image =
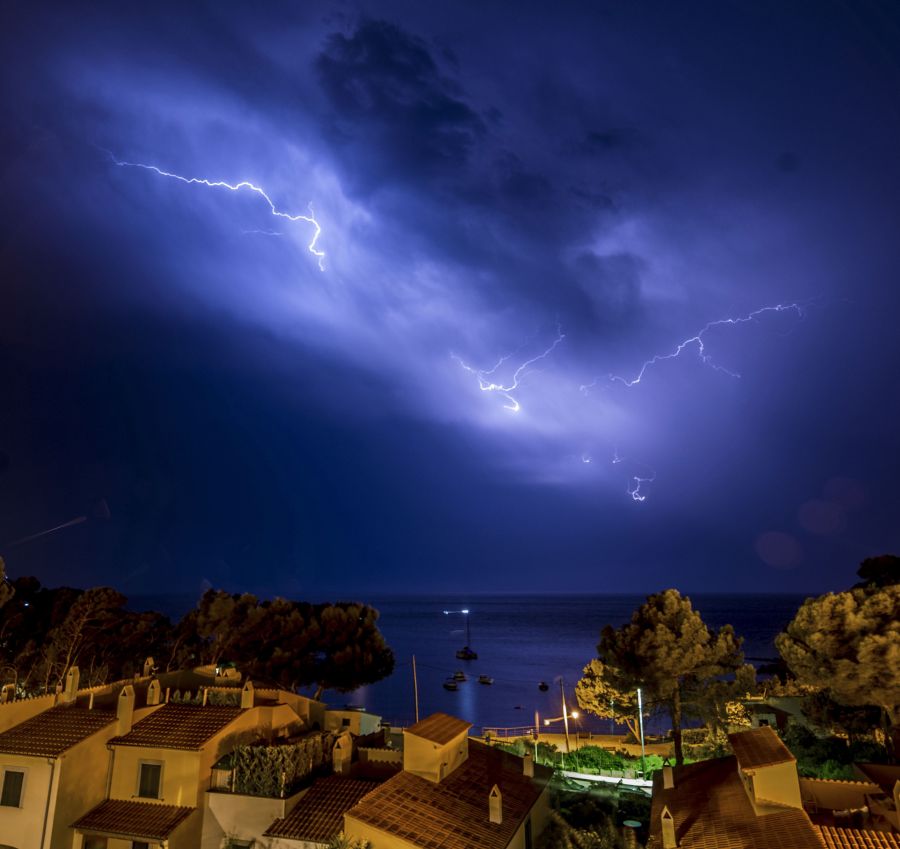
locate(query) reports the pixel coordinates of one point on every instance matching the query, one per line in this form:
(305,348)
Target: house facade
(161,768)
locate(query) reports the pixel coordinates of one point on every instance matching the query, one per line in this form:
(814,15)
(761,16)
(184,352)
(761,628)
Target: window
(345,722)
(239,844)
(140,844)
(11,795)
(148,780)
(91,842)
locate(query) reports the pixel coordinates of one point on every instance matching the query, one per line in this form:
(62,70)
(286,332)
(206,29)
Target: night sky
(564,191)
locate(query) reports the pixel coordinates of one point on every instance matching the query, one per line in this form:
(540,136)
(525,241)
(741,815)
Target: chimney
(7,693)
(495,805)
(342,754)
(668,778)
(149,666)
(247,696)
(528,765)
(70,691)
(153,693)
(668,829)
(125,709)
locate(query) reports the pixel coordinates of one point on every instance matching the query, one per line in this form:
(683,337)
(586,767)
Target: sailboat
(466,652)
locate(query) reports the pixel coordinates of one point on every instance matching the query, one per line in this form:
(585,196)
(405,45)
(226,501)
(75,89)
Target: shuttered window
(11,795)
(148,782)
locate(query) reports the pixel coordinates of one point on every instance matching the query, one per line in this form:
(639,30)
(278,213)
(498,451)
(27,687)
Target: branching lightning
(696,341)
(638,481)
(487,384)
(236,187)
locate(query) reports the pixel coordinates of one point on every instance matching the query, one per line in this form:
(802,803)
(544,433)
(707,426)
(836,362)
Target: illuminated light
(485,384)
(574,714)
(236,187)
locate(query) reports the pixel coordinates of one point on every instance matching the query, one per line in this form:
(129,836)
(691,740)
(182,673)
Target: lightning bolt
(237,187)
(635,482)
(487,384)
(638,481)
(696,341)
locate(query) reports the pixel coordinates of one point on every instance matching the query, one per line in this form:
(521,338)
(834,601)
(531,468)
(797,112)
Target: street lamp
(641,726)
(566,716)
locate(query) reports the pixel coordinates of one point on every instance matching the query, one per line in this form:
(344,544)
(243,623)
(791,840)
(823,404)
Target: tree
(879,571)
(289,643)
(605,692)
(7,590)
(669,651)
(849,643)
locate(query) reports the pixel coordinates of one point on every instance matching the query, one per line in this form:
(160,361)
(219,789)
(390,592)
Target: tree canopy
(44,632)
(606,693)
(667,650)
(335,646)
(849,644)
(881,571)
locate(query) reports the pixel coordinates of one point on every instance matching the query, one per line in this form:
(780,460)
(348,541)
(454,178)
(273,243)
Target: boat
(485,679)
(450,684)
(467,652)
(459,675)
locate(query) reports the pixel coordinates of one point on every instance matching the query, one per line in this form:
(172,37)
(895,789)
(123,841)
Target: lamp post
(566,716)
(641,726)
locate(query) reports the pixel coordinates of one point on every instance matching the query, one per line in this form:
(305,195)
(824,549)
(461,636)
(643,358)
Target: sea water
(521,641)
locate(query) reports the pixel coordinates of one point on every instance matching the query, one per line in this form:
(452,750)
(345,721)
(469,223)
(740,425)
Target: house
(53,766)
(455,793)
(161,768)
(754,799)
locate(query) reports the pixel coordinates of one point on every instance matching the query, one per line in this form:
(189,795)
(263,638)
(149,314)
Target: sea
(522,642)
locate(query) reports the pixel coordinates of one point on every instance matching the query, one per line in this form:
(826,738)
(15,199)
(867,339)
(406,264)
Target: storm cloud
(520,216)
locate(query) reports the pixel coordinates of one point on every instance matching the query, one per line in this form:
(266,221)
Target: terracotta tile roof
(52,732)
(177,726)
(855,838)
(711,810)
(759,747)
(454,813)
(319,815)
(439,728)
(118,817)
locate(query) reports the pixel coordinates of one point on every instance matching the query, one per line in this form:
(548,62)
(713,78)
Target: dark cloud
(397,115)
(512,208)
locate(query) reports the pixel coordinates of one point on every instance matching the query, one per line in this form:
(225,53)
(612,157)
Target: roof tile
(52,732)
(758,747)
(319,815)
(439,728)
(119,817)
(855,838)
(454,813)
(179,726)
(711,810)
